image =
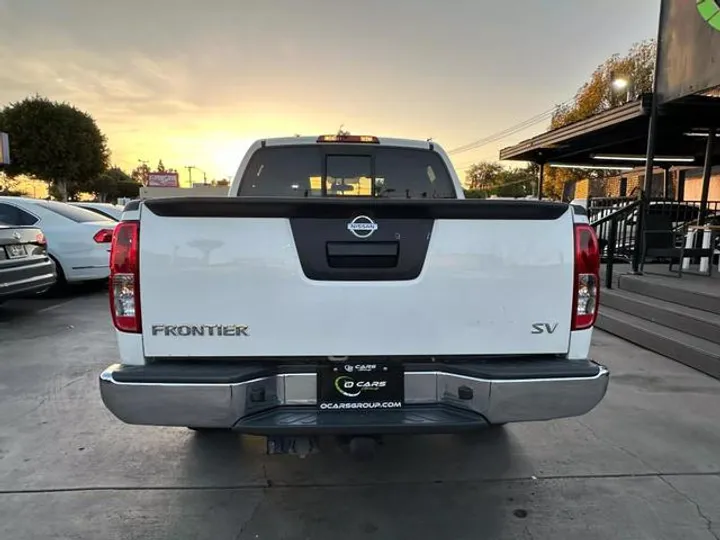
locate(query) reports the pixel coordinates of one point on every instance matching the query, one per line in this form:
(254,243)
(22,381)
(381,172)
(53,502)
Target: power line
(502,134)
(546,115)
(465,166)
(511,183)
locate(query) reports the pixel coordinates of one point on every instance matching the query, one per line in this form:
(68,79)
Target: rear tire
(61,285)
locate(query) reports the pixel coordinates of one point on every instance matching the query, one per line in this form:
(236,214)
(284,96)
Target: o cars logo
(710,12)
(348,387)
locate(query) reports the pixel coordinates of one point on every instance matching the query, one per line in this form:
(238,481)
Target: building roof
(623,131)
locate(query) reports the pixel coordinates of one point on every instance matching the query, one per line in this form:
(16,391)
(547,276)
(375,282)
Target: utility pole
(190,169)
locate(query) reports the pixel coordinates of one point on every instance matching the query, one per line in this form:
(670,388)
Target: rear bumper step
(414,419)
(282,400)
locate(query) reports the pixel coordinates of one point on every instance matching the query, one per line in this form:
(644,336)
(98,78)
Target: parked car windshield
(74,213)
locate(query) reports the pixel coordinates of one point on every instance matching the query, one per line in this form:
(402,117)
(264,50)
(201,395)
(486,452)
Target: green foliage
(481,175)
(8,186)
(54,142)
(518,182)
(106,187)
(113,184)
(557,182)
(70,191)
(487,178)
(140,174)
(598,95)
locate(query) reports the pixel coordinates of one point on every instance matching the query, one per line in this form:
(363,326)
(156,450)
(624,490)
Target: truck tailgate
(237,278)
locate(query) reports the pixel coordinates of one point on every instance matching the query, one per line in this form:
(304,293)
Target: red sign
(165,179)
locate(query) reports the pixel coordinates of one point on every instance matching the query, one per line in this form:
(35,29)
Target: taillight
(124,277)
(587,279)
(103,236)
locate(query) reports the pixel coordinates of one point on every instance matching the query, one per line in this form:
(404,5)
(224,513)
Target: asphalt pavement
(644,465)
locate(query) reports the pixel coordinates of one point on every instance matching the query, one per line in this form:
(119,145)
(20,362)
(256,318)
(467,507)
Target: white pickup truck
(346,287)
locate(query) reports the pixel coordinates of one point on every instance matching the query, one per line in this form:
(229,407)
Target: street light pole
(625,83)
(540,180)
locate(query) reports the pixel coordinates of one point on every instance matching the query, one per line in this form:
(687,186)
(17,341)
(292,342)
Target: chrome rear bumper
(226,403)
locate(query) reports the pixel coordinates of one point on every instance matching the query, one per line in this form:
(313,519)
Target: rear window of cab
(347,171)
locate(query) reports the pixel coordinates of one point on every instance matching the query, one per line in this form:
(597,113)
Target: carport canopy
(618,137)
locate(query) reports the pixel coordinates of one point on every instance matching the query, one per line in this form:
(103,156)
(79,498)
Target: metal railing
(610,225)
(616,221)
(607,212)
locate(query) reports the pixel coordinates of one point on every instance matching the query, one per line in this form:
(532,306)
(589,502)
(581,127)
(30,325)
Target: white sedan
(78,239)
(107,210)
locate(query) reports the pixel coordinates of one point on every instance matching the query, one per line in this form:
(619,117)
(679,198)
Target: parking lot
(645,464)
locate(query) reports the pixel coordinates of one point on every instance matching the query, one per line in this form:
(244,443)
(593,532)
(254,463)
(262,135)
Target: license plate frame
(16,251)
(360,386)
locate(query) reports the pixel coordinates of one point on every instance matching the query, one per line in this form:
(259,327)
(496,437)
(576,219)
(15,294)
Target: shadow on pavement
(224,457)
(25,307)
(419,487)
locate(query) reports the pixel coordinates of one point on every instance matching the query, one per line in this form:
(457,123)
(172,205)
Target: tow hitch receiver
(360,448)
(297,446)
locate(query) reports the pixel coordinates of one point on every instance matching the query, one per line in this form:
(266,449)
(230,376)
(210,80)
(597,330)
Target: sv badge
(544,328)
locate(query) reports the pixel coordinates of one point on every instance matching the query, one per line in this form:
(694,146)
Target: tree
(557,182)
(113,184)
(487,178)
(8,186)
(598,95)
(161,167)
(140,174)
(70,191)
(481,175)
(517,182)
(54,142)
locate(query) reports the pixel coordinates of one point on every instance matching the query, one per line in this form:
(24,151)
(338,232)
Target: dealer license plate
(356,386)
(16,251)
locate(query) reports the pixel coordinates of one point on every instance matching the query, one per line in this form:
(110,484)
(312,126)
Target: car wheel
(61,284)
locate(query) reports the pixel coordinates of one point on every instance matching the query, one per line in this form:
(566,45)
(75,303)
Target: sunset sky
(195,82)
